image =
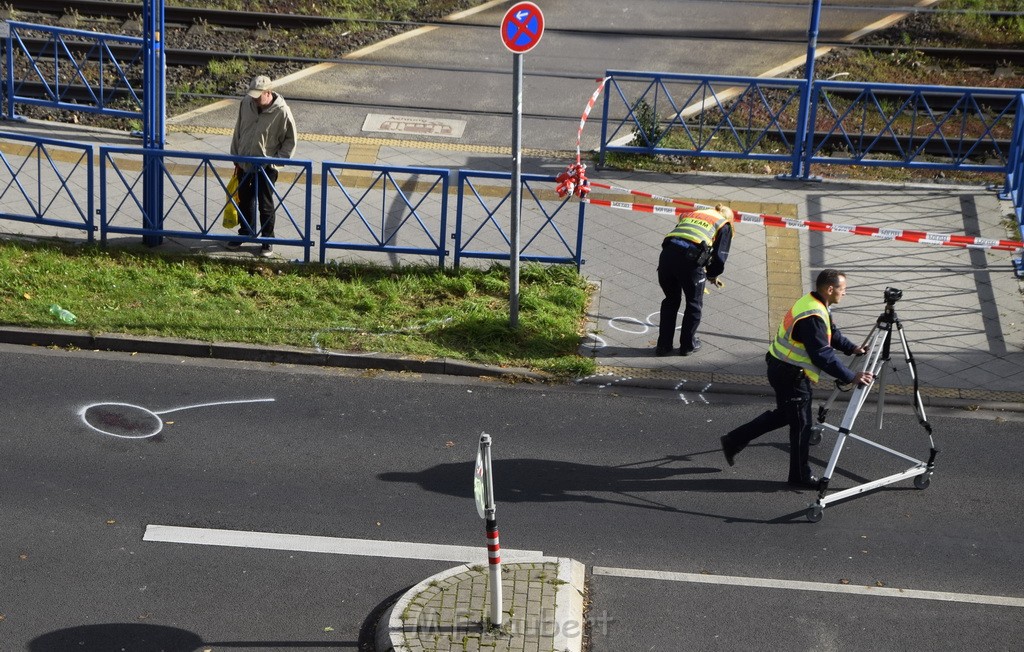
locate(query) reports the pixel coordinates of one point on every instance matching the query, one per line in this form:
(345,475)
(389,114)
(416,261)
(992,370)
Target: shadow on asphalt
(532,480)
(133,637)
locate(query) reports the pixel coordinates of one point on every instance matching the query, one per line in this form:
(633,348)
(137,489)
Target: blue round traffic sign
(522,27)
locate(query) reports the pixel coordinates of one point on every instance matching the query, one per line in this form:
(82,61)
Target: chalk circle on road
(128,421)
(122,420)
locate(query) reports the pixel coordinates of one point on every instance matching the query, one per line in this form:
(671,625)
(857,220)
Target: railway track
(186,16)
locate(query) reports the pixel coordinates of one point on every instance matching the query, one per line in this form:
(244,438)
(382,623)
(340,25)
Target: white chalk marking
(189,407)
(632,321)
(821,587)
(157,422)
(328,545)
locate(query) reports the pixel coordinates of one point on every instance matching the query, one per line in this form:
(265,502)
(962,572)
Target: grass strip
(419,311)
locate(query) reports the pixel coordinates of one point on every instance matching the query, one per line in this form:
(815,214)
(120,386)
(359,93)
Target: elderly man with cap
(694,251)
(264,128)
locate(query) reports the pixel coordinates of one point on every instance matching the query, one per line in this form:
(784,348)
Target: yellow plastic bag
(230,210)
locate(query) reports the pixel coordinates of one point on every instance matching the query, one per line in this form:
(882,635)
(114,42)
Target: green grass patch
(422,311)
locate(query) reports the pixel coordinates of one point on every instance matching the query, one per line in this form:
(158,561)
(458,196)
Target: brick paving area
(452,613)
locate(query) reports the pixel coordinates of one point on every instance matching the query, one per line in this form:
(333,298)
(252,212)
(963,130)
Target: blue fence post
(9,71)
(801,164)
(1015,157)
(604,118)
(457,235)
(579,235)
(153,127)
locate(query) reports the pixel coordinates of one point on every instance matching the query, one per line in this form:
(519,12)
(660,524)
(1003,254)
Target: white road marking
(822,587)
(329,545)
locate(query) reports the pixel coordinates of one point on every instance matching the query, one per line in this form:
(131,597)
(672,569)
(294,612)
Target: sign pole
(483,491)
(517,175)
(521,29)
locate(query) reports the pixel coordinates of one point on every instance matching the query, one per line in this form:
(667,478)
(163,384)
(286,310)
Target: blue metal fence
(195,195)
(367,208)
(480,234)
(384,209)
(73,69)
(1014,189)
(848,123)
(927,127)
(707,115)
(41,181)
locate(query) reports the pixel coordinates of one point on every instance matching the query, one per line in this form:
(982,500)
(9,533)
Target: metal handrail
(66,80)
(418,197)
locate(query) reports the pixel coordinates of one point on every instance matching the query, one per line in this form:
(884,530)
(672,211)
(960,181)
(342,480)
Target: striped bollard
(483,491)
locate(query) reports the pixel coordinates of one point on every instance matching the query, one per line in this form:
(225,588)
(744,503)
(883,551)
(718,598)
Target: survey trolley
(878,362)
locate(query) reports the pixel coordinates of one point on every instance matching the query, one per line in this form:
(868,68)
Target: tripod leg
(912,366)
(823,409)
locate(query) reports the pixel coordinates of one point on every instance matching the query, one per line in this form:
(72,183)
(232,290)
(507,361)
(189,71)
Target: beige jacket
(270,133)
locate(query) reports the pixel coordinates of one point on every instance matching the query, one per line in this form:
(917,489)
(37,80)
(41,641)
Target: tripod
(877,361)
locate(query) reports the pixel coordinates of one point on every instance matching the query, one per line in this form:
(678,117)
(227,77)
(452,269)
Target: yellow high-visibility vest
(785,348)
(698,226)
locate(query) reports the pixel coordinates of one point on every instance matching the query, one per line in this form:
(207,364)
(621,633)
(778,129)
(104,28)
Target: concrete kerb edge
(391,621)
(279,355)
(255,353)
(568,605)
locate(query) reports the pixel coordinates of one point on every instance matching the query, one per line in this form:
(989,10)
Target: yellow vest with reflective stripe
(698,226)
(785,348)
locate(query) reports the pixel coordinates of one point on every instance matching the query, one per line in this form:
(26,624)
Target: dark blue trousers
(792,408)
(256,198)
(679,276)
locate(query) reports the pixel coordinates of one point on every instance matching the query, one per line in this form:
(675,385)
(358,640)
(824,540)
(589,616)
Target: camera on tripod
(892,295)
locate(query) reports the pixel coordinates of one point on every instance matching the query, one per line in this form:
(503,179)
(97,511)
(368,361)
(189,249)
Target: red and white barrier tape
(574,182)
(586,114)
(923,237)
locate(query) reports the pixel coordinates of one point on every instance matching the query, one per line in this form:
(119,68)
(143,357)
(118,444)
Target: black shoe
(813,482)
(661,352)
(693,349)
(728,450)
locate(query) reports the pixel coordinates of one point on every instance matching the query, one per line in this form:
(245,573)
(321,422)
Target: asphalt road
(617,481)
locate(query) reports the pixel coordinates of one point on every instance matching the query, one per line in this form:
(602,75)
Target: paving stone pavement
(450,612)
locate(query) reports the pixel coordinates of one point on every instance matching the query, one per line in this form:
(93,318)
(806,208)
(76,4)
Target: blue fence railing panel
(195,196)
(378,208)
(47,182)
(701,115)
(929,127)
(73,69)
(549,231)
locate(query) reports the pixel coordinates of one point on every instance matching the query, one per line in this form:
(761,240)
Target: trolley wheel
(815,438)
(922,481)
(814,513)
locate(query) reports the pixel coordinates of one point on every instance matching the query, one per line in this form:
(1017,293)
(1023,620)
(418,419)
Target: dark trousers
(256,197)
(679,276)
(792,408)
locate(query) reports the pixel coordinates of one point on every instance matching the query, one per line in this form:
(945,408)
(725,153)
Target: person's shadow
(532,480)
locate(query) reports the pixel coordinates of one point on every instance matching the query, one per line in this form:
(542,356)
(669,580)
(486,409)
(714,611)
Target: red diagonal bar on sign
(521,24)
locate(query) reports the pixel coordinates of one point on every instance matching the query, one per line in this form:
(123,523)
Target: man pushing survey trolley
(877,361)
